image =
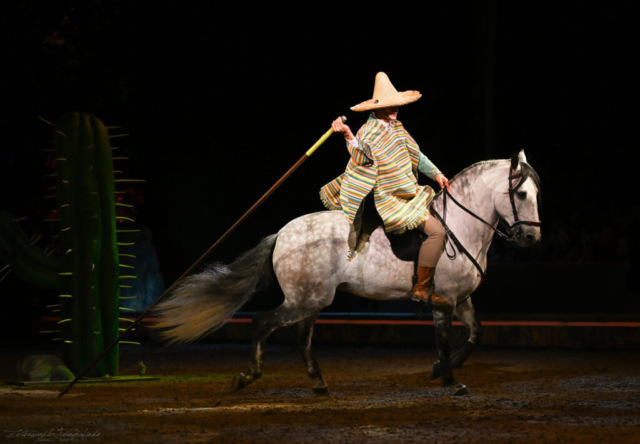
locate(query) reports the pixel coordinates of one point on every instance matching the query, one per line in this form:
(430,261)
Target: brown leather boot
(424,286)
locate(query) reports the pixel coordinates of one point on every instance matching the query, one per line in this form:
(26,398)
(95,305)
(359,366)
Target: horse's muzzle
(529,236)
(529,240)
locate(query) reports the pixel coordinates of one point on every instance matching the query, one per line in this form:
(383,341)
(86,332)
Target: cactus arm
(91,229)
(27,261)
(109,269)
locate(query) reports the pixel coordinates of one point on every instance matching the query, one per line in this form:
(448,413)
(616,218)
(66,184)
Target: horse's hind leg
(265,324)
(467,315)
(304,331)
(442,317)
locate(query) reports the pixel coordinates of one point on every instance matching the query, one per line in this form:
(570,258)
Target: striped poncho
(385,161)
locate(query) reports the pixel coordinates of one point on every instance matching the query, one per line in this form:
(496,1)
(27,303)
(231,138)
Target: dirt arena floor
(378,395)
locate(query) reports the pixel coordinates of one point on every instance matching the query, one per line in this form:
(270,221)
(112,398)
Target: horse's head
(519,203)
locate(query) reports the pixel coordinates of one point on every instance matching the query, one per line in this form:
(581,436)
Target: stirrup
(428,300)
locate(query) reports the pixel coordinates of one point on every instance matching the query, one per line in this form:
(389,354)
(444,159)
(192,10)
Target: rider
(385,159)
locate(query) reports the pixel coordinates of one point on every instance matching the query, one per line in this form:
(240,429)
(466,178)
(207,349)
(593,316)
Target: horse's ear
(516,159)
(515,162)
(522,157)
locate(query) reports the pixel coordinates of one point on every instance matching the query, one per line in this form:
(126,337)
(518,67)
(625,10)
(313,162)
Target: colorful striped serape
(385,161)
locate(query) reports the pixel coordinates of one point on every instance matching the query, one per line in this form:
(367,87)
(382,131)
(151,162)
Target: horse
(309,257)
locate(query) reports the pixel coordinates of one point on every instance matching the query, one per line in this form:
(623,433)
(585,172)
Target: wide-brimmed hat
(384,95)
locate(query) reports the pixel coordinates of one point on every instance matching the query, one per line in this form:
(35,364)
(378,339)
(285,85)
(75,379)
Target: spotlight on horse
(309,259)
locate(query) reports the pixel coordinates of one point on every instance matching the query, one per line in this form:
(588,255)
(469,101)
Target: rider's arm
(426,167)
(360,152)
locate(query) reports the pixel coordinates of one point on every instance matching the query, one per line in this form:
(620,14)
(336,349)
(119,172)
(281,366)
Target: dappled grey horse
(309,258)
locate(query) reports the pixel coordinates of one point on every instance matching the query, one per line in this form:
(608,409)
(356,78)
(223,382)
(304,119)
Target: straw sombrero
(384,94)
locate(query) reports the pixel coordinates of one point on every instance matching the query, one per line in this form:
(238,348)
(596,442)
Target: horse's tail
(203,302)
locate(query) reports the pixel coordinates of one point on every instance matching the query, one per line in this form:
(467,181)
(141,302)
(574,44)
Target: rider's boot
(424,288)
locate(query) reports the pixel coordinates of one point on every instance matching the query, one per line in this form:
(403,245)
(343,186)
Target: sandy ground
(377,395)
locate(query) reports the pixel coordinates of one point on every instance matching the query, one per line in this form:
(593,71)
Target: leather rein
(513,230)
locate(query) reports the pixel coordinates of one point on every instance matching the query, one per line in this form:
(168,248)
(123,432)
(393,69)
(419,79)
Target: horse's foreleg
(304,331)
(468,316)
(442,317)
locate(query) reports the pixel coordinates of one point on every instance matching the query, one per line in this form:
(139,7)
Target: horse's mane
(526,170)
(475,165)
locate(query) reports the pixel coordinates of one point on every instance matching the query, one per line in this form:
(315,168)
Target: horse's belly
(376,273)
(373,292)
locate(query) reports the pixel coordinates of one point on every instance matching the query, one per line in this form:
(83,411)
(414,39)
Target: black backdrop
(220,101)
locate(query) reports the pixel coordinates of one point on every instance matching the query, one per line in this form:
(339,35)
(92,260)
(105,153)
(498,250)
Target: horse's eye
(522,195)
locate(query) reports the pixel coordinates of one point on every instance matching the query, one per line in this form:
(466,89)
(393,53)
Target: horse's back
(312,231)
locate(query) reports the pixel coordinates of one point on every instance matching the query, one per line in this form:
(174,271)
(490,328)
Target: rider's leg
(432,248)
(430,253)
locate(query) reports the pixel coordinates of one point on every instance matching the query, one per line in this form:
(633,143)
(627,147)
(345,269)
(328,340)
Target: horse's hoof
(238,383)
(461,390)
(321,391)
(435,370)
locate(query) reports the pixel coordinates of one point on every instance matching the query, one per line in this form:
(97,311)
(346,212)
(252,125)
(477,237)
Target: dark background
(220,101)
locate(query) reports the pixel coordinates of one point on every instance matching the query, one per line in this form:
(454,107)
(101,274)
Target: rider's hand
(443,181)
(339,127)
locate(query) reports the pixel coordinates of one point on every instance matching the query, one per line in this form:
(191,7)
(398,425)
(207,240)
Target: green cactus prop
(87,276)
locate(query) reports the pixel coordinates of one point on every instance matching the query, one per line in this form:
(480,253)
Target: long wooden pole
(275,186)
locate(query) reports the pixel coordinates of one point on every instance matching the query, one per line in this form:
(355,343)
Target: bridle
(516,227)
(513,230)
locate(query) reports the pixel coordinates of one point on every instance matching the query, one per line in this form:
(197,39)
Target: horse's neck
(475,189)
